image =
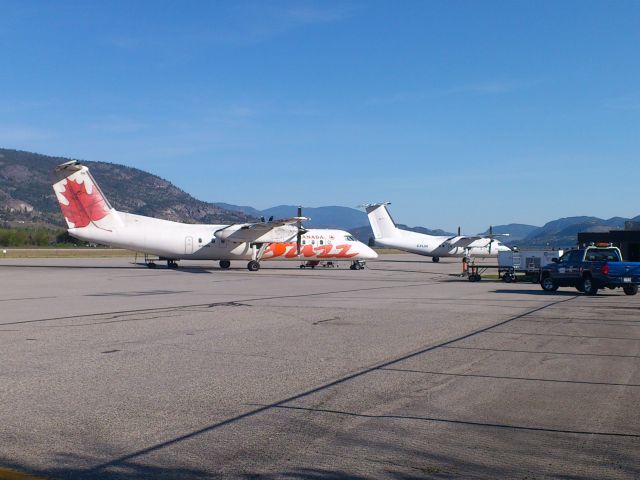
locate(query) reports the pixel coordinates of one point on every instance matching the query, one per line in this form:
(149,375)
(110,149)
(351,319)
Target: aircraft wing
(262,232)
(266,226)
(464,242)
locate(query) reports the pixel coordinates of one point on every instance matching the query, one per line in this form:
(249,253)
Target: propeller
(301,230)
(458,231)
(490,238)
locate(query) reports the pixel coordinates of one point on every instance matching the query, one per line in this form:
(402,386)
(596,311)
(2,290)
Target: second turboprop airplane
(386,234)
(91,218)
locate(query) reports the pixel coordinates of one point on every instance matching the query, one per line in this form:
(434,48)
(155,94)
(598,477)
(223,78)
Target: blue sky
(458,112)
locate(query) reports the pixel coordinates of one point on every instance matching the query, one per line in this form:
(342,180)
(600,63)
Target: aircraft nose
(367,252)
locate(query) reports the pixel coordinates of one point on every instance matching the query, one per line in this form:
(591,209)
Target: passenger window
(321,242)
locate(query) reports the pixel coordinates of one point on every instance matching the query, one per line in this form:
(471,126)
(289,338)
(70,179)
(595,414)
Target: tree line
(35,237)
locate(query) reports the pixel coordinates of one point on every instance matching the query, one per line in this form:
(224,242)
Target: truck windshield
(602,255)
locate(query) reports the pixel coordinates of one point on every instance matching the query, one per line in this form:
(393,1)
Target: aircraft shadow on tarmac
(558,293)
(447,458)
(131,266)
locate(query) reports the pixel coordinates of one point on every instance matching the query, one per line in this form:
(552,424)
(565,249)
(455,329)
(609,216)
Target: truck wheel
(548,284)
(589,286)
(630,289)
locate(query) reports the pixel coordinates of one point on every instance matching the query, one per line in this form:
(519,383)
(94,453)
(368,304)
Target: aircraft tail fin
(381,222)
(82,202)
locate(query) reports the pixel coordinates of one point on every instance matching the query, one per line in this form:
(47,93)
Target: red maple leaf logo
(83,207)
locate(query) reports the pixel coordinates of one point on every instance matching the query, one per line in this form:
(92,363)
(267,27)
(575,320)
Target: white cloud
(492,87)
(625,102)
(12,134)
(115,124)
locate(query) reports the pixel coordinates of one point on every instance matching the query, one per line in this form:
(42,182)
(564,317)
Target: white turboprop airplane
(91,218)
(386,234)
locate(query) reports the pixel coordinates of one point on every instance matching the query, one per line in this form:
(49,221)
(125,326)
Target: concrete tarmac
(403,370)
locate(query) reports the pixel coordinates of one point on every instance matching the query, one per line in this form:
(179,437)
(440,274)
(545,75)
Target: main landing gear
(257,251)
(225,264)
(253,266)
(150,261)
(435,259)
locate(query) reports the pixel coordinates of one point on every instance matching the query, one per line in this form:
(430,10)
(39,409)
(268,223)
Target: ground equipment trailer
(529,262)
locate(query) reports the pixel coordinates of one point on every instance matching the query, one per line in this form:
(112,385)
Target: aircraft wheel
(225,264)
(253,266)
(151,265)
(630,289)
(435,259)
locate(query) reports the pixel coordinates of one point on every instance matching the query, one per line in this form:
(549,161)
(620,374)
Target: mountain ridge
(26,198)
(26,195)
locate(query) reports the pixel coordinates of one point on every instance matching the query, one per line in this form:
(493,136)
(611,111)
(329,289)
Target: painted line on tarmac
(217,304)
(458,422)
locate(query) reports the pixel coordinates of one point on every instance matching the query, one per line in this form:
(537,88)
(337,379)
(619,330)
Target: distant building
(628,240)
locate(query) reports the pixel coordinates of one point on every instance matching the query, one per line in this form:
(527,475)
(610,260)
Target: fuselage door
(188,245)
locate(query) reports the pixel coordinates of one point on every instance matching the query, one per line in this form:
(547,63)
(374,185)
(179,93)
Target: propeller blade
(490,238)
(300,230)
(458,230)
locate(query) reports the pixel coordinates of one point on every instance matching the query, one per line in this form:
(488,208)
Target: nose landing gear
(357,265)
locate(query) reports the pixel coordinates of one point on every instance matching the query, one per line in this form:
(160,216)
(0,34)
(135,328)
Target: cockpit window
(349,238)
